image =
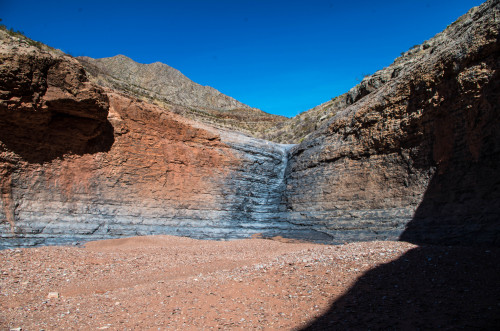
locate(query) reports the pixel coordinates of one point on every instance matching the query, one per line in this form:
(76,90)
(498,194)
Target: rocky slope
(296,129)
(165,86)
(419,156)
(156,80)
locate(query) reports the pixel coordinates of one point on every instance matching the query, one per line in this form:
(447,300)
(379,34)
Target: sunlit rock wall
(419,157)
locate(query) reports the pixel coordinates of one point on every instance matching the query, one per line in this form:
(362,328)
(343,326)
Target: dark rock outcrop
(419,156)
(47,106)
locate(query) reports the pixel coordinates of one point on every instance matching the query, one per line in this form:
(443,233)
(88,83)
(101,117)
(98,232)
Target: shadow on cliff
(460,207)
(39,138)
(437,287)
(461,203)
(454,285)
(451,286)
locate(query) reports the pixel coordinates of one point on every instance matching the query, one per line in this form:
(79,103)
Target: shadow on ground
(443,287)
(427,288)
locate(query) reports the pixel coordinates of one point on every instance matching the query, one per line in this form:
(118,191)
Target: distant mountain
(168,87)
(156,80)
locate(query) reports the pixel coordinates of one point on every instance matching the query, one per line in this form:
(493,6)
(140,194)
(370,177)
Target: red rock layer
(75,160)
(80,163)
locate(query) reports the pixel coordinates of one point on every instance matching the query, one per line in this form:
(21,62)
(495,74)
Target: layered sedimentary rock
(299,127)
(414,154)
(417,157)
(78,163)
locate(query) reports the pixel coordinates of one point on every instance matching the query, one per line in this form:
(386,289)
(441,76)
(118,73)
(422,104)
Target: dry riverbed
(166,282)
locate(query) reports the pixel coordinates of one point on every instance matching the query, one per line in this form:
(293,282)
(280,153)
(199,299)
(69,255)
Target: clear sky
(283,57)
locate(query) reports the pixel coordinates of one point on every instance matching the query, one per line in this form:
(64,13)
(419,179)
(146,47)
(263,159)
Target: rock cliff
(413,152)
(79,161)
(298,128)
(416,157)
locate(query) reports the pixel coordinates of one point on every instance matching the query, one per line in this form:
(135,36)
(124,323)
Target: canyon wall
(80,163)
(417,158)
(413,156)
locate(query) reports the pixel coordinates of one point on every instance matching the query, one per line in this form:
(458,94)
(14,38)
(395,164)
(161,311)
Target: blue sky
(283,57)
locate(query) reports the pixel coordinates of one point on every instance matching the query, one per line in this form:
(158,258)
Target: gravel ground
(166,282)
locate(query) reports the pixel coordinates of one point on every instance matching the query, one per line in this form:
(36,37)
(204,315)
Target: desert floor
(165,282)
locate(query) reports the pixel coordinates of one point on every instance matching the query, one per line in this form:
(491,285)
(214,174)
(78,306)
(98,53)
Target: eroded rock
(413,155)
(419,156)
(79,163)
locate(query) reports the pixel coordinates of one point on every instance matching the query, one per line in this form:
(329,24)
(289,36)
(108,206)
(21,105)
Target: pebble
(189,286)
(53,295)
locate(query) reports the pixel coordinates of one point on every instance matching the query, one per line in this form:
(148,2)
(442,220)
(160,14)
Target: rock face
(78,162)
(419,156)
(414,154)
(301,126)
(47,106)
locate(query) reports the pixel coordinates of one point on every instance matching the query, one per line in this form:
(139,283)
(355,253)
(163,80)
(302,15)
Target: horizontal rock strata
(413,156)
(162,175)
(420,156)
(81,163)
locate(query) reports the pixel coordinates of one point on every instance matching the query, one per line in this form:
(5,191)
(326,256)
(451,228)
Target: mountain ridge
(159,78)
(167,87)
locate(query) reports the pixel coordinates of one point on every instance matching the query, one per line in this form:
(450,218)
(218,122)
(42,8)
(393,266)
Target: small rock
(53,295)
